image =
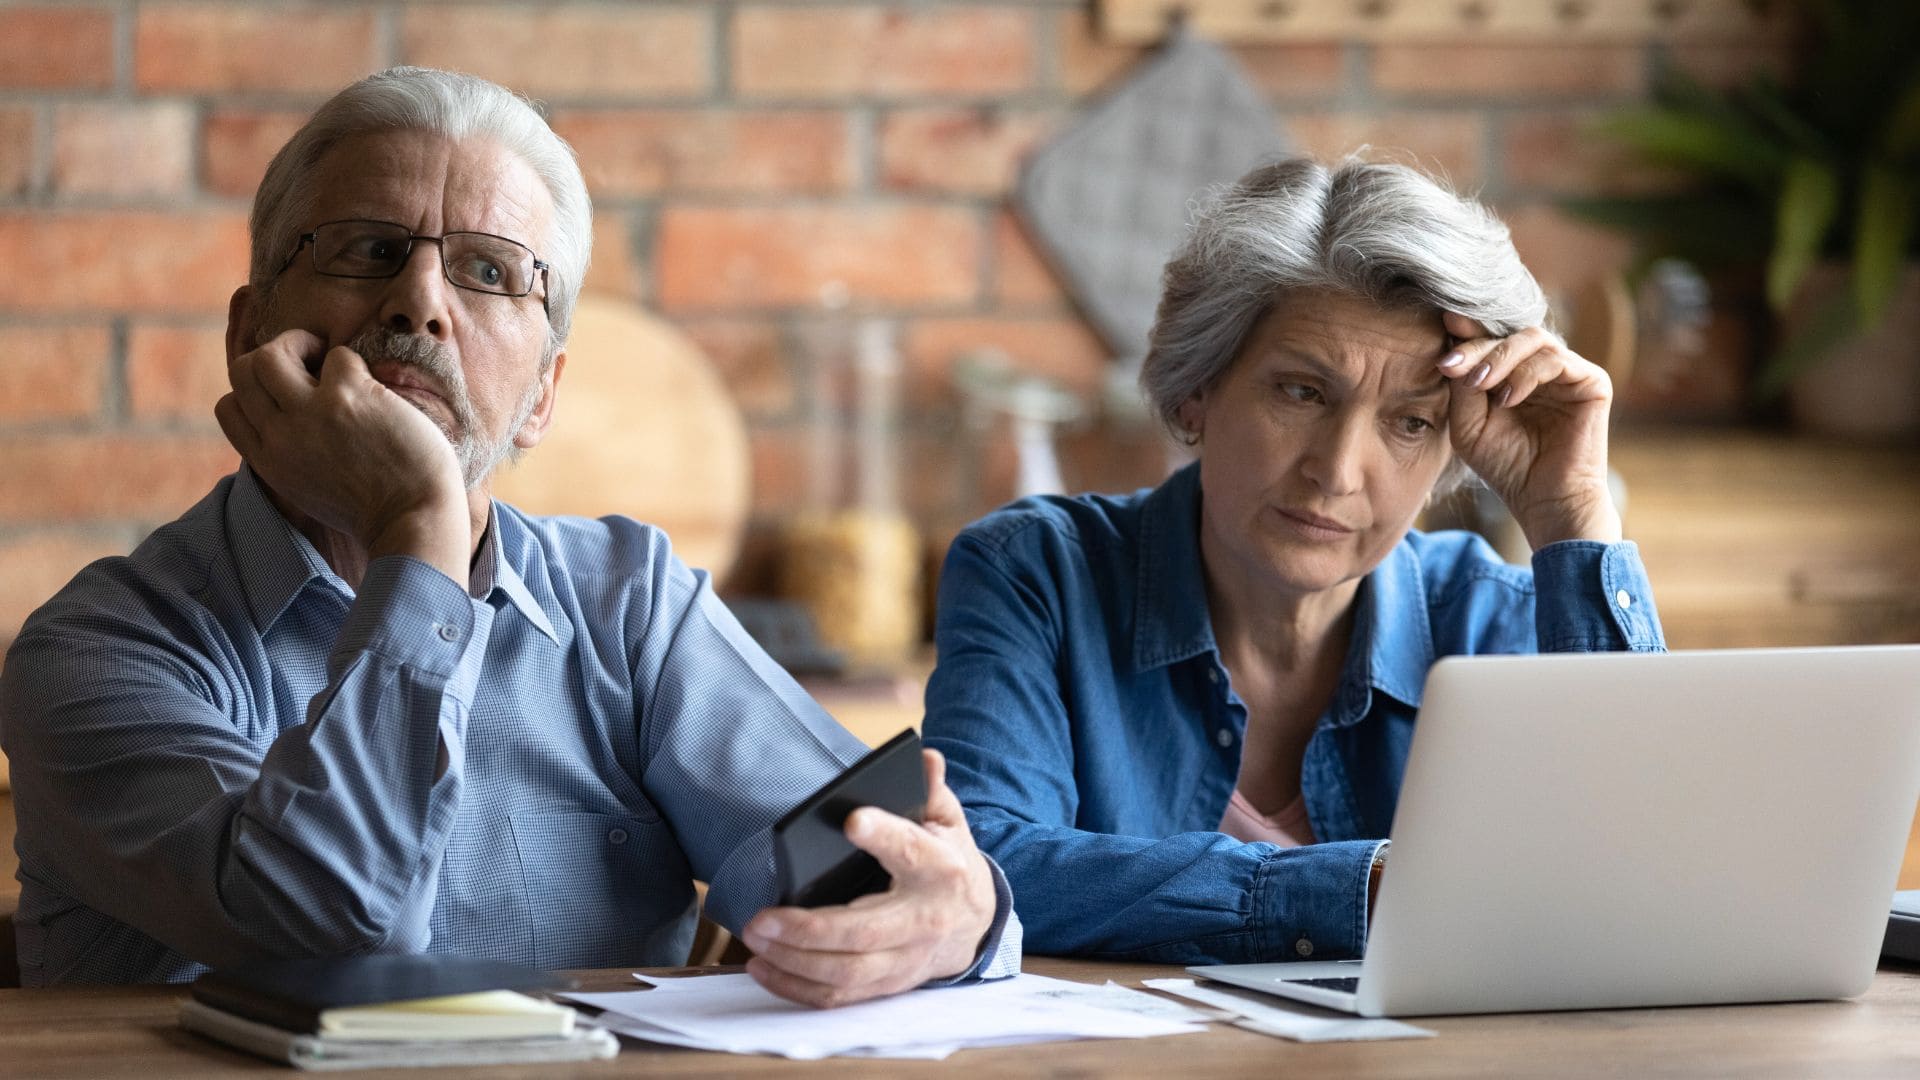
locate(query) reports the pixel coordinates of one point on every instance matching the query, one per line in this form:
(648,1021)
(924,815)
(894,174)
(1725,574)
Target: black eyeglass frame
(312,237)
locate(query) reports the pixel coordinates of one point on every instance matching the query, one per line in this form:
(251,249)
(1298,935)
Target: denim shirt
(1094,736)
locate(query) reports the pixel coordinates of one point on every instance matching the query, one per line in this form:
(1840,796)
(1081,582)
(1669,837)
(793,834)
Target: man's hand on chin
(928,925)
(346,451)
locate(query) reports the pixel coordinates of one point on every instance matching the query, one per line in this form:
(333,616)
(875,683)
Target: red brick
(1564,253)
(303,48)
(16,151)
(655,151)
(568,50)
(38,564)
(1558,152)
(965,151)
(237,144)
(1085,61)
(800,256)
(615,270)
(46,48)
(1467,69)
(176,372)
(147,262)
(1021,275)
(1295,71)
(52,372)
(1060,348)
(749,356)
(72,478)
(1449,143)
(844,51)
(123,150)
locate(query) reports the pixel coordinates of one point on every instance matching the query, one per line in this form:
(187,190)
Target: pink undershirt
(1288,827)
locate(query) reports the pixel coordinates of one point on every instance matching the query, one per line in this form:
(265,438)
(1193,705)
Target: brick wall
(745,158)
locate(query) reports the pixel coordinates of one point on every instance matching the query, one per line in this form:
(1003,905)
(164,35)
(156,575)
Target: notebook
(1605,830)
(390,1010)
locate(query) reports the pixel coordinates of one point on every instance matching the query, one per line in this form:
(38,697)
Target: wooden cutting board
(644,427)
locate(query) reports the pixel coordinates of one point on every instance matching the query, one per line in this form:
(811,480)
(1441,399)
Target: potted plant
(1817,181)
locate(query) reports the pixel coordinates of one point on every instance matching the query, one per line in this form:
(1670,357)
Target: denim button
(448,632)
(1623,598)
(1303,947)
(1213,675)
(617,836)
(1224,737)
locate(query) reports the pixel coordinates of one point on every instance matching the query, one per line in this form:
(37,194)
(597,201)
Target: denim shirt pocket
(605,889)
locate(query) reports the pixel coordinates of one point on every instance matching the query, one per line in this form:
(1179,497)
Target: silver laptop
(1605,830)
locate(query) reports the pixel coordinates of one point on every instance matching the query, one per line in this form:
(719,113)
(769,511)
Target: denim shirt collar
(1392,644)
(1170,619)
(275,561)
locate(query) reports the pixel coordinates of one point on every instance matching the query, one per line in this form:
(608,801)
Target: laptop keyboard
(1350,986)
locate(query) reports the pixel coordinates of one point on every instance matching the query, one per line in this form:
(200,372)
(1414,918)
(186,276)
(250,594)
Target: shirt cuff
(1594,597)
(999,956)
(1324,923)
(415,616)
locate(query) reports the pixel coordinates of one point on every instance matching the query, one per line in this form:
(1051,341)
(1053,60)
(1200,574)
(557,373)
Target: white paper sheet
(736,1014)
(1270,1015)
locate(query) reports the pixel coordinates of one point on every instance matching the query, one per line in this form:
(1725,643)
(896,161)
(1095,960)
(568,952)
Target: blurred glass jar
(851,557)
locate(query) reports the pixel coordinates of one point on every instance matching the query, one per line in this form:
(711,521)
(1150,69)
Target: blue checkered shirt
(221,753)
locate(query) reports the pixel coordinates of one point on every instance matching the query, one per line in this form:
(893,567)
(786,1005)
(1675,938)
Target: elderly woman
(1179,718)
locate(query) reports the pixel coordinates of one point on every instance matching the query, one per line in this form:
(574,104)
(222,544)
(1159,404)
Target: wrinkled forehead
(432,184)
(1391,346)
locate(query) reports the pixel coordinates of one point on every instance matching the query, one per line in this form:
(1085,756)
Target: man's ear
(241,325)
(538,421)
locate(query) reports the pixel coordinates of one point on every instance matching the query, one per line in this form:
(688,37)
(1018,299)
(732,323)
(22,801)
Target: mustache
(382,344)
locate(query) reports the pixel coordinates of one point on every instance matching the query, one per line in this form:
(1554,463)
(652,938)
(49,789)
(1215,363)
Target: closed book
(585,1042)
(297,994)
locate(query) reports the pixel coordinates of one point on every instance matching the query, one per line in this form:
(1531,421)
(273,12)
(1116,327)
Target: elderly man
(348,703)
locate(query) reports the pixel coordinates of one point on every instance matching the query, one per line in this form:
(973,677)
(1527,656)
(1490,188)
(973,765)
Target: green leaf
(1809,202)
(1698,142)
(1826,325)
(1880,231)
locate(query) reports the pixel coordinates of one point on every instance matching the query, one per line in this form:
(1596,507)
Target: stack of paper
(736,1014)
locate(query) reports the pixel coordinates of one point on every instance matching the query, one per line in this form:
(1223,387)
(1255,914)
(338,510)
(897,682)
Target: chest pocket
(605,890)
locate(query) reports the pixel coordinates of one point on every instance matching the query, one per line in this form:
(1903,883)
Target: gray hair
(446,103)
(1384,232)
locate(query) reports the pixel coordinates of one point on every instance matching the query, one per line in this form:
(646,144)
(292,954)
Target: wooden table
(130,1032)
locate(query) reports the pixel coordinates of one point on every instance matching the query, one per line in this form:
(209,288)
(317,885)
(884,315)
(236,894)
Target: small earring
(1190,437)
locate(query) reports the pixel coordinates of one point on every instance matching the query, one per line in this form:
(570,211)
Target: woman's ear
(1192,416)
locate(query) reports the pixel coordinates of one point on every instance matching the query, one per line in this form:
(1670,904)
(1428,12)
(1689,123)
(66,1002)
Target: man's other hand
(927,925)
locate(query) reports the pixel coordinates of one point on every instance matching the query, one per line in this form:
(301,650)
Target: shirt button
(1213,675)
(448,632)
(1224,737)
(1623,598)
(617,836)
(1303,947)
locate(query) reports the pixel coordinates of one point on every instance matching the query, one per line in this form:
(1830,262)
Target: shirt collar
(274,562)
(1170,619)
(493,573)
(1392,644)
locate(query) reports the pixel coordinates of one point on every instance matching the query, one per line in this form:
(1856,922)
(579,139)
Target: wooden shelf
(1137,22)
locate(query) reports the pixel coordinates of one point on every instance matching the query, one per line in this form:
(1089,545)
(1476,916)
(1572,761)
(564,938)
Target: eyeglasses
(481,262)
